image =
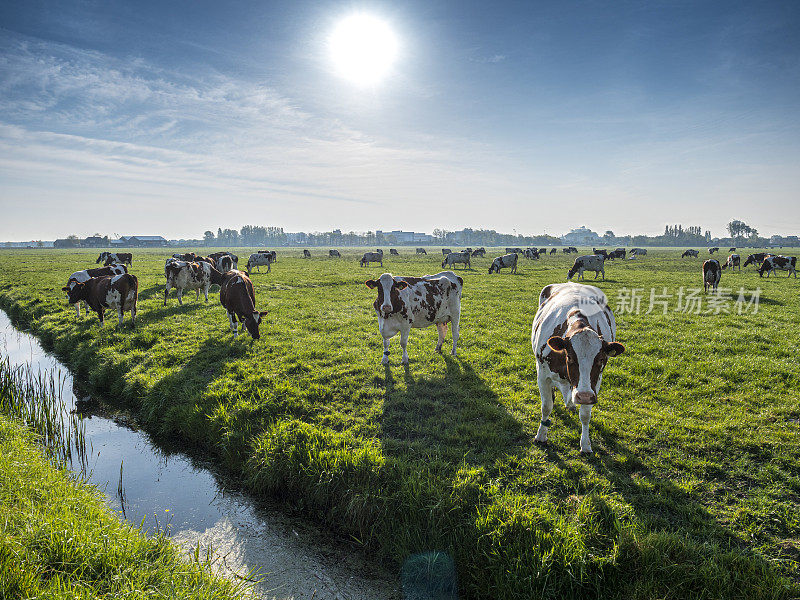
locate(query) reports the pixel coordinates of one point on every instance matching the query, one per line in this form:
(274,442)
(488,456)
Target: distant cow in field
(731,249)
(406,302)
(542,250)
(639,251)
(712,250)
(712,272)
(87,274)
(114,292)
(446,251)
(692,253)
(371,257)
(756,259)
(183,275)
(784,263)
(115,257)
(618,253)
(393,252)
(600,252)
(552,251)
(479,252)
(258,260)
(187,256)
(590,262)
(531,253)
(238,298)
(455,258)
(734,260)
(273,256)
(572,249)
(514,251)
(218,258)
(334,254)
(566,250)
(573,335)
(306,253)
(502,262)
(422,251)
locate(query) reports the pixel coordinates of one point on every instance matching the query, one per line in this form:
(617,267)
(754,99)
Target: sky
(171,118)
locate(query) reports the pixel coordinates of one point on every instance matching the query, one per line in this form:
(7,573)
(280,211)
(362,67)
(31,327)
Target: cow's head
(75,293)
(389,300)
(585,354)
(751,260)
(252,321)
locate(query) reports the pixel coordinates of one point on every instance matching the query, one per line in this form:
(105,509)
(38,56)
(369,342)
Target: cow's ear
(371,284)
(557,343)
(613,348)
(401,285)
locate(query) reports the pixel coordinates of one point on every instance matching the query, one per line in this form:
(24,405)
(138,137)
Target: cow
(406,302)
(218,258)
(531,253)
(186,256)
(784,263)
(566,250)
(757,259)
(572,249)
(601,252)
(543,251)
(731,249)
(371,257)
(393,252)
(446,251)
(183,275)
(87,274)
(120,292)
(508,260)
(422,251)
(334,254)
(479,252)
(692,253)
(733,261)
(273,256)
(712,272)
(225,264)
(238,298)
(639,251)
(514,251)
(712,250)
(573,336)
(590,262)
(306,253)
(552,251)
(110,258)
(258,260)
(457,257)
(618,253)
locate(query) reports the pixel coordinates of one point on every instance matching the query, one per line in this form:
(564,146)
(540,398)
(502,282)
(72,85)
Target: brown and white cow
(371,257)
(572,336)
(590,262)
(784,263)
(258,260)
(712,272)
(501,262)
(183,275)
(455,258)
(406,302)
(238,298)
(734,260)
(120,292)
(756,259)
(87,274)
(109,258)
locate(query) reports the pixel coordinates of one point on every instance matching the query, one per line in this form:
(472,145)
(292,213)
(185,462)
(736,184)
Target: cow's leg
(121,314)
(403,341)
(269,267)
(78,307)
(546,393)
(455,326)
(205,291)
(180,296)
(232,321)
(585,414)
(385,359)
(166,292)
(442,328)
(101,315)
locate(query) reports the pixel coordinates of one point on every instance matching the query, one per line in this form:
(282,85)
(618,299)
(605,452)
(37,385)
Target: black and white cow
(572,249)
(446,251)
(87,274)
(406,302)
(239,300)
(109,258)
(455,258)
(393,252)
(618,253)
(601,252)
(531,253)
(479,252)
(334,254)
(731,249)
(784,263)
(552,251)
(306,253)
(590,262)
(183,275)
(115,292)
(734,260)
(422,251)
(217,257)
(371,257)
(638,252)
(543,251)
(572,336)
(692,253)
(714,249)
(258,260)
(712,272)
(756,259)
(501,262)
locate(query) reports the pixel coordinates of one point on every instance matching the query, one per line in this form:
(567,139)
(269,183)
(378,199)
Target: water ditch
(167,489)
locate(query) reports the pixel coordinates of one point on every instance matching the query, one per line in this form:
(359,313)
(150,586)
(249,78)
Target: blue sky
(172,118)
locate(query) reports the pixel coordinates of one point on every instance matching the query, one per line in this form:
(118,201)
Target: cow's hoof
(586,452)
(541,442)
(384,361)
(405,361)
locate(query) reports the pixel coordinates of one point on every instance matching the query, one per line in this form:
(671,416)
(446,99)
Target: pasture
(693,490)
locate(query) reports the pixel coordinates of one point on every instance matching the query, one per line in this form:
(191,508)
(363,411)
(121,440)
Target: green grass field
(693,490)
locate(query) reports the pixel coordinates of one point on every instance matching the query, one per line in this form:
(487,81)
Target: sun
(363,48)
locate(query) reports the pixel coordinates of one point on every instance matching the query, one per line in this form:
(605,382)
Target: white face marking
(587,345)
(386,281)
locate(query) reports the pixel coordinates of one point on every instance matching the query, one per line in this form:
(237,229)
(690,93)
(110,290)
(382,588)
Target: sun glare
(363,48)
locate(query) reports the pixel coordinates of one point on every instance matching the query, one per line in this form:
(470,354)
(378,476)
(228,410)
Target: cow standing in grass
(371,257)
(120,292)
(784,263)
(734,260)
(258,260)
(406,302)
(590,262)
(455,258)
(334,254)
(109,258)
(691,253)
(712,272)
(238,298)
(502,262)
(757,259)
(183,275)
(422,251)
(218,257)
(87,274)
(479,252)
(572,336)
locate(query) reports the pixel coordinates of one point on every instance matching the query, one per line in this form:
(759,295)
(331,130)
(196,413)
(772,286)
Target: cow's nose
(386,308)
(585,398)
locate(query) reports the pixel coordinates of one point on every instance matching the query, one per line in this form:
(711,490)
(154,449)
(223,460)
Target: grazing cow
(87,274)
(542,250)
(601,252)
(731,249)
(566,250)
(572,249)
(393,252)
(119,292)
(572,336)
(757,259)
(531,253)
(217,257)
(406,302)
(552,251)
(225,264)
(712,250)
(257,260)
(306,253)
(479,252)
(514,251)
(273,256)
(712,272)
(457,257)
(334,254)
(692,253)
(590,262)
(639,251)
(110,258)
(183,275)
(371,257)
(446,251)
(422,251)
(508,260)
(618,253)
(733,261)
(238,298)
(784,263)
(187,256)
